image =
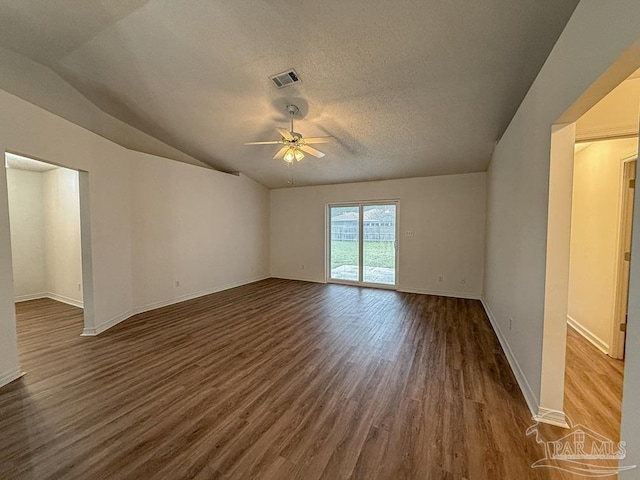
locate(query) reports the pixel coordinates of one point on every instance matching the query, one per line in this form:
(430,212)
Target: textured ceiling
(408,87)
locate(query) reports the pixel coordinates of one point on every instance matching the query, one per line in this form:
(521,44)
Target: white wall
(121,268)
(518,193)
(44,211)
(595,225)
(615,114)
(446,213)
(206,230)
(9,368)
(62,235)
(26,201)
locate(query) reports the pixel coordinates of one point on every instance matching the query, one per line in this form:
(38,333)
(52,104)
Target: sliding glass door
(345,241)
(362,243)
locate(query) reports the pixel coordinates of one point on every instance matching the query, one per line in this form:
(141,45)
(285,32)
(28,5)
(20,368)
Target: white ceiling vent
(285,79)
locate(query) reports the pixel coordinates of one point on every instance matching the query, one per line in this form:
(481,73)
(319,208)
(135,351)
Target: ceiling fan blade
(280,153)
(311,140)
(285,133)
(311,151)
(273,142)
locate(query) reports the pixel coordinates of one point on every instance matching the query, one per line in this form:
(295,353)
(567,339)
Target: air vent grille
(285,79)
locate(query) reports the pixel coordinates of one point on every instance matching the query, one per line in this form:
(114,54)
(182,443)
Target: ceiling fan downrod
(293,110)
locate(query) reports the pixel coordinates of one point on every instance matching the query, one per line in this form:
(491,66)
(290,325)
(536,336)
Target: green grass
(376,254)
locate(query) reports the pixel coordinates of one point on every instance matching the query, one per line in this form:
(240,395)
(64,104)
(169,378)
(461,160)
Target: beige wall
(206,230)
(9,367)
(124,224)
(595,225)
(45,234)
(446,214)
(26,201)
(518,196)
(615,114)
(62,235)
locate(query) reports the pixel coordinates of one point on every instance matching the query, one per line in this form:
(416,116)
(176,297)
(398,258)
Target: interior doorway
(588,121)
(600,251)
(362,243)
(48,218)
(621,312)
(602,205)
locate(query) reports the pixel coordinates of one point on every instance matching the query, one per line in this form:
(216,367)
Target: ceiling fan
(294,144)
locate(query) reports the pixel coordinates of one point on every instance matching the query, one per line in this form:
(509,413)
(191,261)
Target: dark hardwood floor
(593,387)
(274,380)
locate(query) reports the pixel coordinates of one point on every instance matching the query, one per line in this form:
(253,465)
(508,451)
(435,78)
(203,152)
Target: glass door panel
(344,248)
(379,244)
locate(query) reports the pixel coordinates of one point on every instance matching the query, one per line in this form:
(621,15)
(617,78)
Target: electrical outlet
(510,323)
(440,278)
(79,287)
(302,268)
(177,283)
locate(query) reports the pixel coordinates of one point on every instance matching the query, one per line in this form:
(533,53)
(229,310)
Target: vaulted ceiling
(408,87)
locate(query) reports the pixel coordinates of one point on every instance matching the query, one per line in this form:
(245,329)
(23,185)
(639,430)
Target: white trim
(551,417)
(379,286)
(30,296)
(620,296)
(191,296)
(588,335)
(10,376)
(299,279)
(611,133)
(440,293)
(525,388)
(67,300)
(98,329)
(52,296)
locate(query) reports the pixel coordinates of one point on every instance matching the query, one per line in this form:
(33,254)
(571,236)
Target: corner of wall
(9,376)
(525,388)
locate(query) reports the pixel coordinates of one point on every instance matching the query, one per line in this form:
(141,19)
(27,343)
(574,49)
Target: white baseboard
(552,417)
(69,301)
(31,296)
(8,377)
(52,296)
(440,293)
(98,329)
(525,388)
(299,279)
(589,335)
(191,296)
(421,291)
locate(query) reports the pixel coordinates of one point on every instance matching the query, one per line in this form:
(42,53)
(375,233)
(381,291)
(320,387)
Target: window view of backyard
(378,245)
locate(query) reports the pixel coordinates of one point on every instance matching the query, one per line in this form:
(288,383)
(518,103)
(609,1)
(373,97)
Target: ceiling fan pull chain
(290,181)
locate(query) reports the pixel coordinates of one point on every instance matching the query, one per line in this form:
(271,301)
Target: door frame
(625,227)
(88,299)
(361,205)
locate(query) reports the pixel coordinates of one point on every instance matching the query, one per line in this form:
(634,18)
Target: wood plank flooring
(593,387)
(273,380)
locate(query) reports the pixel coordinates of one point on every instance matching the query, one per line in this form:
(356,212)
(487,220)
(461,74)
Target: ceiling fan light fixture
(293,144)
(290,155)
